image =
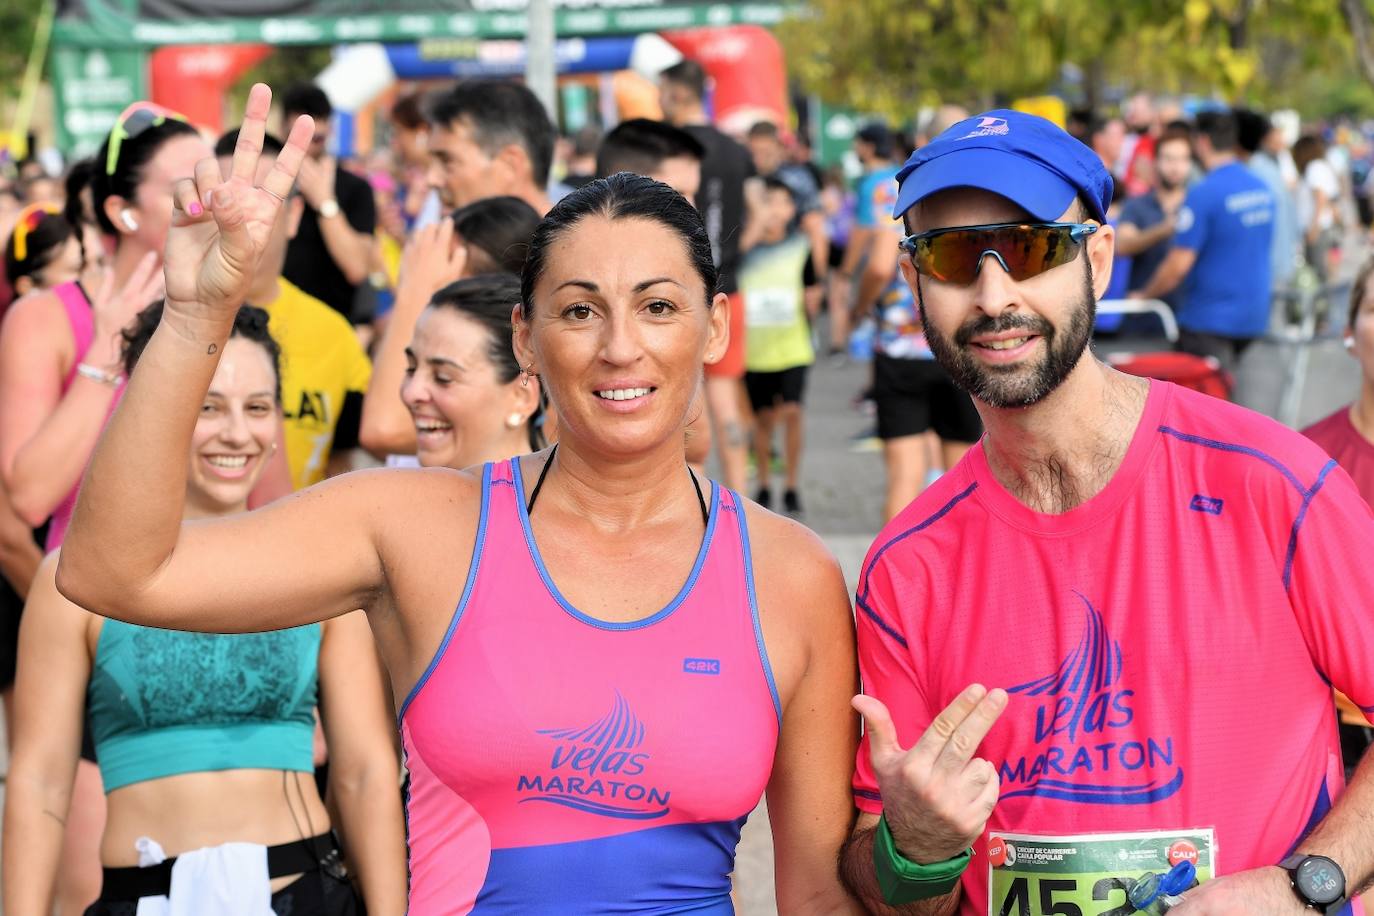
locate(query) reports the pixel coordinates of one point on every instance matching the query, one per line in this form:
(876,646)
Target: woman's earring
(514,420)
(525,375)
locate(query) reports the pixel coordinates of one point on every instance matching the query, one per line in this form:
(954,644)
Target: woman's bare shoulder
(36,312)
(792,565)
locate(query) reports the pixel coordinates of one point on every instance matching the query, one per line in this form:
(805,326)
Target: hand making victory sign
(221,224)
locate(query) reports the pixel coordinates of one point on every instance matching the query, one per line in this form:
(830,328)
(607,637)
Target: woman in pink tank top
(604,660)
(60,376)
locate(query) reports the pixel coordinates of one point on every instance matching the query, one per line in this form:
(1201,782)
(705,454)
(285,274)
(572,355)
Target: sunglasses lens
(1027,251)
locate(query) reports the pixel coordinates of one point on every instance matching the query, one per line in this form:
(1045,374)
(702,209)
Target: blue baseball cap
(1024,158)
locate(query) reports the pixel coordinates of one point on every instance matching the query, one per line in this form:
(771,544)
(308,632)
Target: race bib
(771,308)
(1088,875)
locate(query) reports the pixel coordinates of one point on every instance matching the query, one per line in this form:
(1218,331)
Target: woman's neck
(513,444)
(615,494)
(126,257)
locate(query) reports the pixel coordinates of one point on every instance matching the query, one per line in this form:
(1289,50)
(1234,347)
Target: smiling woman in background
(487,237)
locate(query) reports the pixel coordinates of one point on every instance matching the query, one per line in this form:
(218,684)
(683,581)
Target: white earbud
(1349,343)
(126,216)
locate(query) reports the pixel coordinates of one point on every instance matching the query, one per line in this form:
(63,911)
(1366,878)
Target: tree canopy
(893,55)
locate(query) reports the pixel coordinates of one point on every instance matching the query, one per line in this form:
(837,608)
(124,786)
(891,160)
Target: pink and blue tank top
(565,764)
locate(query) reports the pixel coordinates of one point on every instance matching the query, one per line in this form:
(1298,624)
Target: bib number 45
(1028,896)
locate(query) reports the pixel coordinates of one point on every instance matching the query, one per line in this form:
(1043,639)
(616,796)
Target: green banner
(834,130)
(91,88)
(106,27)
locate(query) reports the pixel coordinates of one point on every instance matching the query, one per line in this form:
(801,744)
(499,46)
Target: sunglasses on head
(1024,250)
(136,119)
(28,221)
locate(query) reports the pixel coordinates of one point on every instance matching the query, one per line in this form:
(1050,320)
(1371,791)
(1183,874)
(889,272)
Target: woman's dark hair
(250,323)
(488,299)
(621,196)
(76,210)
(499,228)
(134,155)
(1307,149)
(43,244)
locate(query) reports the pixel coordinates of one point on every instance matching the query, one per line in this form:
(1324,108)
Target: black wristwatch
(1318,882)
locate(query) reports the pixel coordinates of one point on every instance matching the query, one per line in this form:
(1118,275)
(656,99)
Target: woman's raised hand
(221,224)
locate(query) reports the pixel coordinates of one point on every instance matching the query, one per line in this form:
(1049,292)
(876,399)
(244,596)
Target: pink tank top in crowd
(565,764)
(78,309)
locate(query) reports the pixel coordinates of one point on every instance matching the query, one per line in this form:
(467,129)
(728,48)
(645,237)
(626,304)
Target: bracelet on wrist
(903,881)
(96,374)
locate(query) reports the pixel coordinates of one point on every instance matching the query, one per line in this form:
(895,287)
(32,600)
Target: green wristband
(903,881)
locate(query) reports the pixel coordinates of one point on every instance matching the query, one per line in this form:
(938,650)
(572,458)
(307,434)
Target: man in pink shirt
(1158,588)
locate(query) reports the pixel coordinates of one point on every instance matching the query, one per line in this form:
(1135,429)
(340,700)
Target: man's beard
(1167,185)
(1018,385)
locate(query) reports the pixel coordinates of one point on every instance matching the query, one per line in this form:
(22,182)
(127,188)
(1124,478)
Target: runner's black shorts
(915,395)
(769,389)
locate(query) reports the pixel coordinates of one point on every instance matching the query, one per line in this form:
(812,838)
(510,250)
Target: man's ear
(908,269)
(1101,252)
(516,161)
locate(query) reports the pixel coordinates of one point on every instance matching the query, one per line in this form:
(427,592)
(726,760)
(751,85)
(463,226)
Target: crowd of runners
(1114,627)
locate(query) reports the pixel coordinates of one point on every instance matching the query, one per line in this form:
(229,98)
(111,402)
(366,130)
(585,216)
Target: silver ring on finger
(273,193)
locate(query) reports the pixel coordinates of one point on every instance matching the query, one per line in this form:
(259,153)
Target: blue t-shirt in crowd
(1144,212)
(871,193)
(1228,220)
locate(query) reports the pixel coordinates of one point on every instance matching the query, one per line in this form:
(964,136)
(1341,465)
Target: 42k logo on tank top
(1086,749)
(599,769)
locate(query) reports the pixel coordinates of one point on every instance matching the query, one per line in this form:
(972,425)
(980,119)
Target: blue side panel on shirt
(683,868)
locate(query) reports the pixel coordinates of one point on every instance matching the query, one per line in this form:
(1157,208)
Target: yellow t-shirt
(322,363)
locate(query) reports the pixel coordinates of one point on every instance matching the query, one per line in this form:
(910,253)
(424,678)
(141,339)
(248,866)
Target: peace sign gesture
(937,796)
(220,225)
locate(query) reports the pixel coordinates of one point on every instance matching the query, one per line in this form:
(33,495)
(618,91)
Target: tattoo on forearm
(54,816)
(212,349)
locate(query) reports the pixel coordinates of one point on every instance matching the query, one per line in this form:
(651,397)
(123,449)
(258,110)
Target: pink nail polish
(195,209)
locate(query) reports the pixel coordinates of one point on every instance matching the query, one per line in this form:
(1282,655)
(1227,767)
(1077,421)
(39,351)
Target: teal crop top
(163,702)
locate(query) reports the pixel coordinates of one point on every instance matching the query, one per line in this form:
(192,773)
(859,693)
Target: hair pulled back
(499,228)
(42,246)
(488,300)
(621,196)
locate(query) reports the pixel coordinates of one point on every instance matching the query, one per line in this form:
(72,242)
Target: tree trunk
(1357,17)
(1094,76)
(1237,27)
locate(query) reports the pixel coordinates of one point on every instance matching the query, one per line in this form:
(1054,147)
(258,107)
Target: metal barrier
(1154,307)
